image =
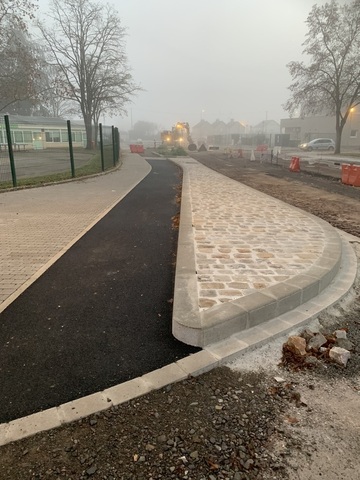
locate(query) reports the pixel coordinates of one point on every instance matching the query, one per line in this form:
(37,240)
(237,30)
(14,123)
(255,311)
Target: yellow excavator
(179,135)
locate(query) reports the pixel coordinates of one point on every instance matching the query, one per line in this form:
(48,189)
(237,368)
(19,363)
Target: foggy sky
(210,58)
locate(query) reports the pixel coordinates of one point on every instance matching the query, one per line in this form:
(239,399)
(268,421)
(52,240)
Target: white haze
(210,59)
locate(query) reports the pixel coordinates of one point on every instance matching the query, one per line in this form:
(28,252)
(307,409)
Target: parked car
(318,144)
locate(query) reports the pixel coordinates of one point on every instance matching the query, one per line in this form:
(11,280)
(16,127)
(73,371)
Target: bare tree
(145,130)
(331,82)
(16,11)
(54,94)
(20,69)
(18,55)
(87,43)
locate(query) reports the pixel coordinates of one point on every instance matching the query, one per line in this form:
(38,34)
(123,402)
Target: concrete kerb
(187,310)
(219,322)
(75,410)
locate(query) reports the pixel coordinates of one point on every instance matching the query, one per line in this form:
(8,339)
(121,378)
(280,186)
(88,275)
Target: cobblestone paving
(245,240)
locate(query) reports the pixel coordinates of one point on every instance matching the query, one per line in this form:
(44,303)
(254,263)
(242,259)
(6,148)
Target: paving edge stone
(202,328)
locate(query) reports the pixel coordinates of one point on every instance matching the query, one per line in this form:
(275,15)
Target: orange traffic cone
(295,164)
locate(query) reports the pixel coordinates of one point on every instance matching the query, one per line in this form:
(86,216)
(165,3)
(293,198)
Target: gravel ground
(235,422)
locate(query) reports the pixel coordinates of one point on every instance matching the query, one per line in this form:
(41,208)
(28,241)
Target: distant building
(234,127)
(35,132)
(267,127)
(322,126)
(218,133)
(201,131)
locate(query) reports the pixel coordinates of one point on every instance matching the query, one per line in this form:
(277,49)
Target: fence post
(119,140)
(71,151)
(101,148)
(113,144)
(117,136)
(10,150)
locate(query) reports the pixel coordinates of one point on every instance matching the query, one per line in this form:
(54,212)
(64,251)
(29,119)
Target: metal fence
(40,150)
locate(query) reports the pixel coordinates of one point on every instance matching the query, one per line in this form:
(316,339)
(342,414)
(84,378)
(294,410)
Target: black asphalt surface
(101,315)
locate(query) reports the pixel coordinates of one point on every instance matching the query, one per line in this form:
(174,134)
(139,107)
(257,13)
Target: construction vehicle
(179,135)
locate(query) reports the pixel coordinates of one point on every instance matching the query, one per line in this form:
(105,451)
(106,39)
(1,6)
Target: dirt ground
(251,420)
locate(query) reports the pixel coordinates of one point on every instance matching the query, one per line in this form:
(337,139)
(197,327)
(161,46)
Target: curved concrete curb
(254,337)
(219,322)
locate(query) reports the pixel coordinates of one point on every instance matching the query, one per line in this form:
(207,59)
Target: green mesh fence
(41,151)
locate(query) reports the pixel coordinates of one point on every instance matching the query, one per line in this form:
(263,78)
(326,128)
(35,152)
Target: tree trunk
(338,140)
(339,128)
(96,129)
(89,132)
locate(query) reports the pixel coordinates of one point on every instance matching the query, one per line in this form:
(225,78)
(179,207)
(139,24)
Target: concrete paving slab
(165,376)
(198,363)
(83,407)
(126,391)
(30,425)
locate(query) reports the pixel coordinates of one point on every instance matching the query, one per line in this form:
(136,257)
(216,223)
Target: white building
(42,132)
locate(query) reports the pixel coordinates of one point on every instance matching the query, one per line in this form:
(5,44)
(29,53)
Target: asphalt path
(101,314)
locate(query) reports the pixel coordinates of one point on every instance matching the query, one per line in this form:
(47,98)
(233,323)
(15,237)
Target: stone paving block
(164,376)
(30,425)
(327,278)
(276,327)
(222,314)
(186,303)
(259,306)
(220,322)
(126,391)
(227,349)
(198,363)
(254,336)
(187,334)
(288,296)
(301,314)
(83,407)
(4,427)
(310,286)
